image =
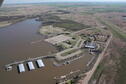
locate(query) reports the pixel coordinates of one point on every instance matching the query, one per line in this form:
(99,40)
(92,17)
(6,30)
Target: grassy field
(115,30)
(69,52)
(98,71)
(121,70)
(62,23)
(105,10)
(70,25)
(122,67)
(86,4)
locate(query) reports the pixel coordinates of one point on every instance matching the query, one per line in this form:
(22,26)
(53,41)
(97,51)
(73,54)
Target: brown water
(21,41)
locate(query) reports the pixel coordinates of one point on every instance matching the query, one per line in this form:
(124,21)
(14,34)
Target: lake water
(21,41)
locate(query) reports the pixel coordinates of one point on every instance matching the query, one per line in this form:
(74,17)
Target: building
(31,66)
(90,45)
(21,68)
(40,63)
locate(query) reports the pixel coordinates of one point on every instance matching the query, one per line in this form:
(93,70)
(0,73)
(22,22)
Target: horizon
(57,1)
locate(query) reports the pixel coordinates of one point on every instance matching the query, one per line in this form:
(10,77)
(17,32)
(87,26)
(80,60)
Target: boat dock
(8,67)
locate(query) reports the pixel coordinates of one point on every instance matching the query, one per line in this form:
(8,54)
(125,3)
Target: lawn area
(69,52)
(79,43)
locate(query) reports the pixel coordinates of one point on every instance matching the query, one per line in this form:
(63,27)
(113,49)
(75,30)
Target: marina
(21,51)
(38,60)
(62,43)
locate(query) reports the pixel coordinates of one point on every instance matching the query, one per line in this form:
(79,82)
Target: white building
(90,45)
(31,66)
(21,68)
(40,63)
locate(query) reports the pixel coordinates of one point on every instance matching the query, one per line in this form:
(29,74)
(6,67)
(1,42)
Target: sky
(37,1)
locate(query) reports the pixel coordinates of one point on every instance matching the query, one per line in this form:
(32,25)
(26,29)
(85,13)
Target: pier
(8,67)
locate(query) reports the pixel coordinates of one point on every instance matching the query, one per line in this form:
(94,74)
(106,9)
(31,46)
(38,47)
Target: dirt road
(90,73)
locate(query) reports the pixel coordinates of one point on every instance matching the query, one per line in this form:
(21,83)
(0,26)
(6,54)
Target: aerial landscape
(63,42)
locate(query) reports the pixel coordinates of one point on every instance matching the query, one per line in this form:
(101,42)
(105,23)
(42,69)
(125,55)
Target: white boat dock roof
(21,68)
(40,63)
(31,66)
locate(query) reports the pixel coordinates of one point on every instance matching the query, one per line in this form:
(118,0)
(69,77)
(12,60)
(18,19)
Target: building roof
(21,68)
(40,63)
(90,45)
(31,66)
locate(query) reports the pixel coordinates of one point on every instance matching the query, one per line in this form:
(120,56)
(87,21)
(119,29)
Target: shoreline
(8,22)
(5,24)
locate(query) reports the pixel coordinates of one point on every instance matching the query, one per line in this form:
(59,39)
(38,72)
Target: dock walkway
(30,59)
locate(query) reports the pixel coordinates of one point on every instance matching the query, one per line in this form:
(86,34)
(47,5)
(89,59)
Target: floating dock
(29,62)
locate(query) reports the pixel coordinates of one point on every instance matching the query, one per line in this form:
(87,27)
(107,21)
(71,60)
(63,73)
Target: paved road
(90,73)
(58,55)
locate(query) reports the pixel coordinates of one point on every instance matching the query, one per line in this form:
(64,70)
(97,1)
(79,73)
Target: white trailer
(31,66)
(40,63)
(21,68)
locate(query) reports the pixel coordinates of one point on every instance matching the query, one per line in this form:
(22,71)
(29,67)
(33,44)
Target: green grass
(71,25)
(69,52)
(79,43)
(106,7)
(101,10)
(69,82)
(72,42)
(8,9)
(85,4)
(115,30)
(62,46)
(62,23)
(122,69)
(98,71)
(121,73)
